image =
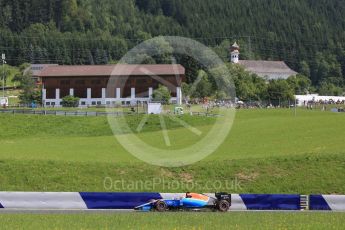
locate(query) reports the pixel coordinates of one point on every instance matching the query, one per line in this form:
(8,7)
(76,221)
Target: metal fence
(204,114)
(64,113)
(85,113)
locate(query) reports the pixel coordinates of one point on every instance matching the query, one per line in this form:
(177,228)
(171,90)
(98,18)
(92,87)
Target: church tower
(235,53)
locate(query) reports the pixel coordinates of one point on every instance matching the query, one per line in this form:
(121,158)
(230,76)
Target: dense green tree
(326,67)
(162,94)
(248,86)
(222,80)
(29,92)
(202,87)
(279,90)
(329,89)
(305,69)
(308,35)
(70,101)
(185,90)
(300,84)
(192,67)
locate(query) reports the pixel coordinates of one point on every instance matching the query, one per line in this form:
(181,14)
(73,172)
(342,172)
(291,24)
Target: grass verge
(176,221)
(298,174)
(267,151)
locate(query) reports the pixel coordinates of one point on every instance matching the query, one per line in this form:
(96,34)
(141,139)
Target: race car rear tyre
(223,205)
(161,206)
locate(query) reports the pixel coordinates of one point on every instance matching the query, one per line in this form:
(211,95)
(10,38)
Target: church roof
(235,45)
(268,69)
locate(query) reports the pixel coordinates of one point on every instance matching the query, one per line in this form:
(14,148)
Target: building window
(141,81)
(112,81)
(80,82)
(80,92)
(122,82)
(65,82)
(96,82)
(50,93)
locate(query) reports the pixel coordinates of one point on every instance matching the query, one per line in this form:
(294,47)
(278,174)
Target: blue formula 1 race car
(191,201)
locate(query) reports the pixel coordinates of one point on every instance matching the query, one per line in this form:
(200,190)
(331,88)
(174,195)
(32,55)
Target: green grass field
(267,151)
(176,221)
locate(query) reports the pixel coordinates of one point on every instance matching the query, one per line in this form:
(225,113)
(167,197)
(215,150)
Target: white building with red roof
(100,85)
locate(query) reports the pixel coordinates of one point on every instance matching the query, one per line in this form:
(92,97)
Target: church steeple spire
(235,53)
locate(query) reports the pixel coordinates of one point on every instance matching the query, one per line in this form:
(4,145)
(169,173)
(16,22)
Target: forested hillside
(308,34)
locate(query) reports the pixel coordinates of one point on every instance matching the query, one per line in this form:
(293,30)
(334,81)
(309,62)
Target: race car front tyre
(223,205)
(161,206)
